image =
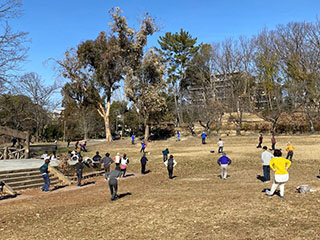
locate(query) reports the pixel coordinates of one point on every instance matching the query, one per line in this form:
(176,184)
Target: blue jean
(46,184)
(266,172)
(79,177)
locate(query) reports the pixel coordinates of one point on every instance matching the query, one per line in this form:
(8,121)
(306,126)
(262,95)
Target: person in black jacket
(113,177)
(79,167)
(170,164)
(143,161)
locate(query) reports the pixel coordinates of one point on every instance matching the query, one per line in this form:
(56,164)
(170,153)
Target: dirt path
(87,183)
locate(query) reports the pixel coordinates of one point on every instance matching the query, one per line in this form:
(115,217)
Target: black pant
(165,157)
(273,146)
(170,171)
(289,155)
(132,141)
(220,150)
(266,173)
(143,168)
(259,145)
(79,177)
(113,185)
(142,149)
(203,141)
(123,172)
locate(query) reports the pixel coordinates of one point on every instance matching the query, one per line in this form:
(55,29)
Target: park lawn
(197,204)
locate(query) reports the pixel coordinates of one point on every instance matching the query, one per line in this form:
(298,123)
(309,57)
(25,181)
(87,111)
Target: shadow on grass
(261,178)
(58,187)
(121,195)
(129,175)
(219,176)
(8,197)
(277,192)
(146,172)
(88,183)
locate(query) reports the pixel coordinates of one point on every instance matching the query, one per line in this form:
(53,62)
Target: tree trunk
(177,108)
(105,113)
(146,130)
(310,121)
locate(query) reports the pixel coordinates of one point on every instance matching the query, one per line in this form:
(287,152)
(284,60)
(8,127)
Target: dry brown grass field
(196,204)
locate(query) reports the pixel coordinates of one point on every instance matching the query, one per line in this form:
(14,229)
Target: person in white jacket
(124,164)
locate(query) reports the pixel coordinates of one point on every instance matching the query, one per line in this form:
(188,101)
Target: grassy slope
(195,205)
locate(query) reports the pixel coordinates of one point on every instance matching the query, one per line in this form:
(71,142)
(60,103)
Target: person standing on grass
(165,154)
(76,145)
(143,146)
(117,159)
(124,165)
(260,141)
(132,139)
(203,137)
(266,158)
(273,142)
(68,142)
(170,164)
(178,136)
(143,161)
(220,145)
(79,168)
(224,162)
(107,161)
(113,182)
(289,149)
(45,174)
(280,166)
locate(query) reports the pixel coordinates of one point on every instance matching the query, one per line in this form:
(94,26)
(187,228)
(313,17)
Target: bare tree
(12,48)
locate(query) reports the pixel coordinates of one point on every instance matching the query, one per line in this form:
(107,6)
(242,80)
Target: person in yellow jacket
(289,149)
(280,166)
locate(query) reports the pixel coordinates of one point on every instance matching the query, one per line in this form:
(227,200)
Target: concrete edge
(60,175)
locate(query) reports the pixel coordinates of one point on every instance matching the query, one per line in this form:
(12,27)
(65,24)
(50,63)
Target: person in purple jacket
(223,162)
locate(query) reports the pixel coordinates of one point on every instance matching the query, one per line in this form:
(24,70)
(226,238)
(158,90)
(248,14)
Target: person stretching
(224,162)
(280,166)
(113,182)
(289,149)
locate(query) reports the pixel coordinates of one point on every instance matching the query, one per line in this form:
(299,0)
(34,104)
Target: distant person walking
(289,150)
(79,168)
(260,141)
(143,162)
(76,145)
(165,154)
(224,162)
(220,144)
(143,146)
(178,136)
(117,159)
(203,137)
(124,165)
(170,164)
(132,139)
(45,174)
(280,166)
(83,146)
(273,142)
(113,182)
(68,142)
(107,161)
(266,158)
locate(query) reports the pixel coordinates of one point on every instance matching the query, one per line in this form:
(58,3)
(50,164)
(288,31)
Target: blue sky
(57,25)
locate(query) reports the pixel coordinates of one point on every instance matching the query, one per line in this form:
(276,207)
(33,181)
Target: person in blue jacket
(224,162)
(143,146)
(45,174)
(132,138)
(203,137)
(178,136)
